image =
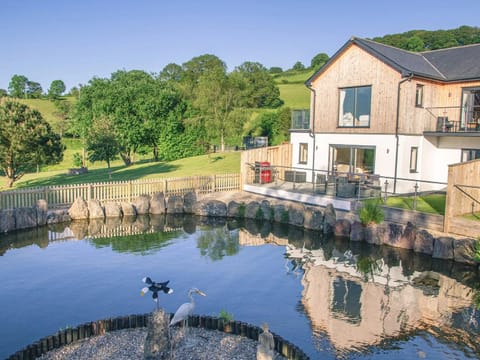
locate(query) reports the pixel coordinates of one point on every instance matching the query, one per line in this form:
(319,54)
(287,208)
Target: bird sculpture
(186,309)
(155,287)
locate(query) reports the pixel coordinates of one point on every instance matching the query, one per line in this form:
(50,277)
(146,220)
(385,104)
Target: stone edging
(100,327)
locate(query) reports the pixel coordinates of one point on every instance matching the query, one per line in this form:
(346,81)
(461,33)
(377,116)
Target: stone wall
(326,220)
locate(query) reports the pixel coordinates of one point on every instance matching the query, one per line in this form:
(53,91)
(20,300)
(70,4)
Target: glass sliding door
(352,159)
(470,117)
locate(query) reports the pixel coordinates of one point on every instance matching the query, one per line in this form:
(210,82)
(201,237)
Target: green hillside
(292,88)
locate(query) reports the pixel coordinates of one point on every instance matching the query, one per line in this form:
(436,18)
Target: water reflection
(357,297)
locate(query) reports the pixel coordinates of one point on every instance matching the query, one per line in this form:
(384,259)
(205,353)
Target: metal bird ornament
(155,288)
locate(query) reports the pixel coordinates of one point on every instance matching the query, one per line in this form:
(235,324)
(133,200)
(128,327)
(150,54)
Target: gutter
(397,121)
(312,132)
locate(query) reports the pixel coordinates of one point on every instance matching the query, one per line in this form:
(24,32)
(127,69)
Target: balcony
(300,119)
(443,123)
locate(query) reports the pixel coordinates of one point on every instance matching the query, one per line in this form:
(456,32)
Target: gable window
(419,96)
(303,153)
(354,107)
(470,154)
(413,159)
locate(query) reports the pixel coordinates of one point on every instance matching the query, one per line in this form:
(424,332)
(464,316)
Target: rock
(128,209)
(95,210)
(280,214)
(112,209)
(342,228)
(157,343)
(329,219)
(235,209)
(79,209)
(407,239)
(210,208)
(79,228)
(443,248)
(266,210)
(157,203)
(464,251)
(56,216)
(375,233)
(95,226)
(423,242)
(393,237)
(252,210)
(312,218)
(7,220)
(295,214)
(175,204)
(25,218)
(357,231)
(142,204)
(189,199)
(42,209)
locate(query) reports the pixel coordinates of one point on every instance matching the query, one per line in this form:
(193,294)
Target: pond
(331,297)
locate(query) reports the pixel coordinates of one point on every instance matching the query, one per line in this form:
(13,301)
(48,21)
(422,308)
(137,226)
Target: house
(406,116)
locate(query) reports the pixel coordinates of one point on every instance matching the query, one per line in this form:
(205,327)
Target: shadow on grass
(115,173)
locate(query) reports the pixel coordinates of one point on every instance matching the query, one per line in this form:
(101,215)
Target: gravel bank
(196,344)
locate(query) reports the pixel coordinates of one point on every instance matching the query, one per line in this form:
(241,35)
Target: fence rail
(65,195)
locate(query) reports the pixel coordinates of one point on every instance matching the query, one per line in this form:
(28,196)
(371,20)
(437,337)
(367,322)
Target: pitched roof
(452,64)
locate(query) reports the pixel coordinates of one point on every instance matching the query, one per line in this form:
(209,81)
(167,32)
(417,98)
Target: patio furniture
(295,176)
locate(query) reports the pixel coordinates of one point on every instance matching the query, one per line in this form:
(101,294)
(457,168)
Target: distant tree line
(424,40)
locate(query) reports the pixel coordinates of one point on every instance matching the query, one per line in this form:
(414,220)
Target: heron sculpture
(186,309)
(155,287)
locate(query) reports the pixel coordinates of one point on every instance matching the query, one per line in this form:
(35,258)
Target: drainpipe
(312,132)
(397,120)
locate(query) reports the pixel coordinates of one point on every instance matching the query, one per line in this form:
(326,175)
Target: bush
(371,213)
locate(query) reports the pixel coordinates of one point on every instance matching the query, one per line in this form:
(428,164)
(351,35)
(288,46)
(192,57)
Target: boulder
(423,242)
(157,203)
(266,210)
(25,218)
(375,233)
(464,251)
(175,204)
(295,214)
(252,210)
(393,237)
(95,210)
(142,204)
(79,209)
(189,199)
(443,248)
(329,219)
(56,216)
(280,214)
(7,220)
(342,228)
(112,209)
(128,209)
(357,231)
(235,209)
(42,209)
(312,218)
(210,208)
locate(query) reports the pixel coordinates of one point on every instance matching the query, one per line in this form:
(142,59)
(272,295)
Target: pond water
(332,298)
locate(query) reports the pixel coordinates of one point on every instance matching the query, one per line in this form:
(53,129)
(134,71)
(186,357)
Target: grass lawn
(432,203)
(218,163)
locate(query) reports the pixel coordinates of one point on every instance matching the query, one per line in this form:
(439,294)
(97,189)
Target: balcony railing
(453,119)
(300,119)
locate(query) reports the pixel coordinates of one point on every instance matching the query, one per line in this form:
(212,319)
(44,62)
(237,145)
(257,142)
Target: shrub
(225,315)
(371,213)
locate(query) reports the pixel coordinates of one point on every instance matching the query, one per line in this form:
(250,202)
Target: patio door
(470,116)
(352,159)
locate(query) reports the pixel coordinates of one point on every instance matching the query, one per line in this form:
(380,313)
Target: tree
(3,93)
(275,70)
(318,61)
(26,141)
(298,66)
(34,90)
(257,87)
(415,43)
(102,144)
(18,86)
(57,88)
(171,72)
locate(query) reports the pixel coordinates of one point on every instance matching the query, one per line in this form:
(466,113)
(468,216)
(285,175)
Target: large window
(303,153)
(470,154)
(354,107)
(352,159)
(470,117)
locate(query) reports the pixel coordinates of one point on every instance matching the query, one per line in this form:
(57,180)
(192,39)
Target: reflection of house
(357,314)
(379,109)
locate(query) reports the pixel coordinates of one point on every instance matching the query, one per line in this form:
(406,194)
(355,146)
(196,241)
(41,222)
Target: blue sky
(75,40)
